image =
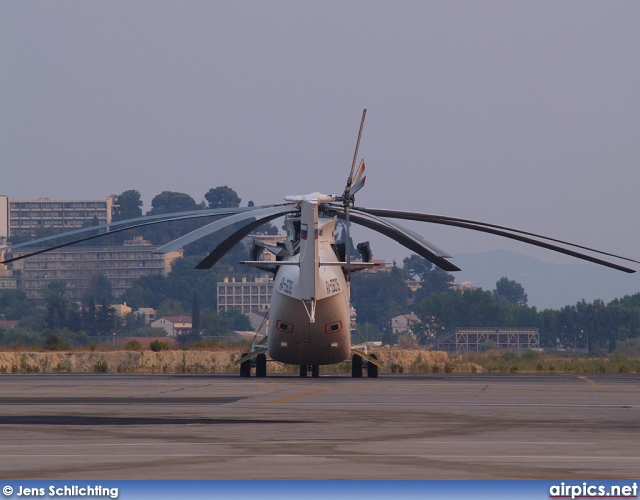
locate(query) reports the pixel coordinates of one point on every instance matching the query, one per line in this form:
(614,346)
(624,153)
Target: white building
(148,313)
(402,323)
(247,296)
(174,325)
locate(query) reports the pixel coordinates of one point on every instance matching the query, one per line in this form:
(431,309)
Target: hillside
(548,285)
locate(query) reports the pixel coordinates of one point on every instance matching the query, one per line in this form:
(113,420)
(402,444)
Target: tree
(222,197)
(147,291)
(435,281)
(239,321)
(56,304)
(107,321)
(511,292)
(379,297)
(222,323)
(171,201)
(129,205)
(194,336)
(170,307)
(416,267)
(99,289)
(13,304)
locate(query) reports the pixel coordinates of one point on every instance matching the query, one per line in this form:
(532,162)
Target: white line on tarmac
(341,456)
(291,441)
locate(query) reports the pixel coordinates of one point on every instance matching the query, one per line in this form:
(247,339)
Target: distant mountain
(548,286)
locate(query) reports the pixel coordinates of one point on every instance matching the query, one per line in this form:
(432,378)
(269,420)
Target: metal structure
(471,339)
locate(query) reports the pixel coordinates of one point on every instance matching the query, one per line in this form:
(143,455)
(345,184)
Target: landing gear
(261,365)
(356,366)
(372,370)
(245,367)
(314,369)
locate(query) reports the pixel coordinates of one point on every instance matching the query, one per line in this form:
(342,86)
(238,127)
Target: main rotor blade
(397,233)
(514,234)
(173,218)
(193,214)
(228,243)
(223,223)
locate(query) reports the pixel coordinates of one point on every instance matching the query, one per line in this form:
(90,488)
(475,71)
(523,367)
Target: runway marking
(416,404)
(589,381)
(290,398)
(343,456)
(115,400)
(290,441)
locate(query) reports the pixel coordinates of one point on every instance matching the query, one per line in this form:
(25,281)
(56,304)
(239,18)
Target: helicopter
(309,314)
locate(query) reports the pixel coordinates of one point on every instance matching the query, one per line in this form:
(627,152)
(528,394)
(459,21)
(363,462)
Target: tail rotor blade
(355,157)
(357,186)
(359,173)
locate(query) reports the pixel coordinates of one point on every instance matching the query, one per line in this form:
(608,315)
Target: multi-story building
(246,296)
(20,217)
(7,277)
(77,265)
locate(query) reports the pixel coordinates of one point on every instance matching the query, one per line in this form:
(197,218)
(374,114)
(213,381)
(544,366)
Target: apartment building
(77,265)
(20,217)
(247,296)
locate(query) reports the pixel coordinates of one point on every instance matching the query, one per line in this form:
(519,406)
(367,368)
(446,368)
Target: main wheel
(303,370)
(356,366)
(261,365)
(315,371)
(372,370)
(245,367)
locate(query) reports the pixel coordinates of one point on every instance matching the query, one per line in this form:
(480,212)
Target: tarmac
(398,426)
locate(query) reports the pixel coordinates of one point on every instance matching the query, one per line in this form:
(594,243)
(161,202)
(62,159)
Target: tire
(303,370)
(261,365)
(372,370)
(356,366)
(245,367)
(315,371)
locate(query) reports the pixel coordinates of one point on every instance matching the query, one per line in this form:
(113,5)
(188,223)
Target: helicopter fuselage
(311,330)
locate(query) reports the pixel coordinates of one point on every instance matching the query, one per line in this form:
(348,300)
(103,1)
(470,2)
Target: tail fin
(309,258)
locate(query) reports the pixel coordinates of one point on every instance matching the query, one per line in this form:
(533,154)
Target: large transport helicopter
(310,312)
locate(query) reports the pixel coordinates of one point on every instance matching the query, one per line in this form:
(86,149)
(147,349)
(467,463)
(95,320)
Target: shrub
(55,343)
(157,346)
(489,345)
(133,345)
(101,367)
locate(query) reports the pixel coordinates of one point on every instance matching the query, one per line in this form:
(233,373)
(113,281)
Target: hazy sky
(525,114)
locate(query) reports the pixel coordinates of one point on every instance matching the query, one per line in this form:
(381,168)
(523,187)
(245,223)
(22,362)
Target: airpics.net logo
(586,490)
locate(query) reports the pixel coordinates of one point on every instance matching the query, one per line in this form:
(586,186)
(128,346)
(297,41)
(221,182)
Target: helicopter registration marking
(333,285)
(286,286)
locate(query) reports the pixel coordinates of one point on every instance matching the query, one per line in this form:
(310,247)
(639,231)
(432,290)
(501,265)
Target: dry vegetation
(218,358)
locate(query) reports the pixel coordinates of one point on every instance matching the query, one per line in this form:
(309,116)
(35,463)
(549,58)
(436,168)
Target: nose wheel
(314,369)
